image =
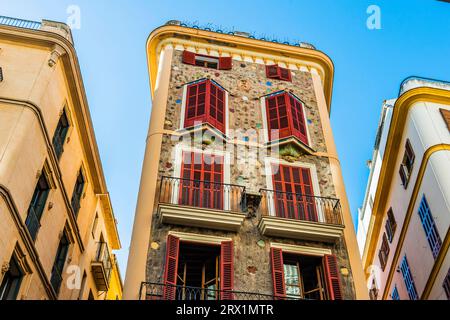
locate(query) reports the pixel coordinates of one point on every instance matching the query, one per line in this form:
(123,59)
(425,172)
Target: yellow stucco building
(57,230)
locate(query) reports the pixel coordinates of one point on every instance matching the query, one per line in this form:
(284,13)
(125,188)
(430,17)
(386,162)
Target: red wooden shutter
(298,124)
(277,116)
(171,269)
(332,277)
(196,103)
(217,107)
(189,57)
(272,72)
(227,270)
(225,63)
(284,74)
(279,284)
(202,178)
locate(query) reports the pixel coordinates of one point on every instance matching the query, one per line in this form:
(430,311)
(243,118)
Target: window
(59,137)
(1,74)
(202,180)
(373,292)
(305,277)
(429,226)
(409,281)
(294,193)
(94,225)
(37,205)
(78,192)
(395,295)
(199,60)
(83,286)
(407,164)
(60,261)
(384,252)
(276,72)
(12,280)
(391,225)
(205,103)
(286,117)
(208,270)
(446,116)
(446,285)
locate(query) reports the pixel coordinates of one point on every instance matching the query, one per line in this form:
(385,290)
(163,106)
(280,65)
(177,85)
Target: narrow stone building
(241,194)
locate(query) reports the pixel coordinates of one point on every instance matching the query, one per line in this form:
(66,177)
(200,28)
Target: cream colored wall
(23,151)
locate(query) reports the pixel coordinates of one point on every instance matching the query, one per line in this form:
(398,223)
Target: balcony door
(202,181)
(293,193)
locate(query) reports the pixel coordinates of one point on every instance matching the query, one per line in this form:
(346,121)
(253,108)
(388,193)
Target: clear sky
(414,39)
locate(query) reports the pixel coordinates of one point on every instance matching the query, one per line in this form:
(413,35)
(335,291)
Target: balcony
(101,267)
(159,291)
(302,217)
(201,204)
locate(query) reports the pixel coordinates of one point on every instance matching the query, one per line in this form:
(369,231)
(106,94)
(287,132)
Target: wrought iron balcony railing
(202,194)
(301,207)
(158,291)
(19,23)
(102,267)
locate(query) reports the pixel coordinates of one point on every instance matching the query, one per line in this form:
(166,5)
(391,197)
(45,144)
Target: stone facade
(246,84)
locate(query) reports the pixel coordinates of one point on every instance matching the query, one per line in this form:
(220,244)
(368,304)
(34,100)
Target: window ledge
(300,230)
(200,217)
(292,139)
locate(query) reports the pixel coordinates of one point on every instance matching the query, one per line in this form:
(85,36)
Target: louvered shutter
(227,270)
(272,72)
(332,277)
(279,285)
(277,116)
(298,124)
(285,74)
(189,57)
(225,63)
(196,103)
(446,116)
(171,269)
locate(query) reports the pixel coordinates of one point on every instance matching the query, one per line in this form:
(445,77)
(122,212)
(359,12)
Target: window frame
(429,227)
(11,284)
(77,193)
(58,141)
(222,63)
(408,279)
(391,225)
(206,118)
(290,131)
(407,165)
(383,254)
(278,74)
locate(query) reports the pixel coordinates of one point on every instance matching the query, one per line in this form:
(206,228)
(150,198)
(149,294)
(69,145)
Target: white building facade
(403,230)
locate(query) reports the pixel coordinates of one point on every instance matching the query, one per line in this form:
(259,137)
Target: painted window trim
(266,137)
(199,238)
(184,105)
(180,148)
(314,178)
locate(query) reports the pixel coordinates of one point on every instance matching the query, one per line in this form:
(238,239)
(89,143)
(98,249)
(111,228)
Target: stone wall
(246,83)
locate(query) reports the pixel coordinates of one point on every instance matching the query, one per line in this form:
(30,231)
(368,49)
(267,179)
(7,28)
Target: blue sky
(370,65)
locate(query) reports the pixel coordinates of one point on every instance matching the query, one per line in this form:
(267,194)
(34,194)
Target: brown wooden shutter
(189,57)
(332,277)
(279,284)
(227,270)
(225,63)
(446,115)
(171,269)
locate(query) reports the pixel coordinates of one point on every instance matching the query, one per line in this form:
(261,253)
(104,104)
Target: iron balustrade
(159,291)
(202,194)
(301,207)
(20,23)
(104,258)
